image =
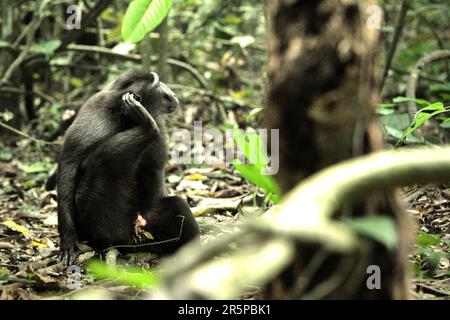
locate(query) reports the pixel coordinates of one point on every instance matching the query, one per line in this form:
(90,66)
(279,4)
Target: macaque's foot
(132,102)
(68,253)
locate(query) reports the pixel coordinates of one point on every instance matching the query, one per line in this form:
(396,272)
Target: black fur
(112,167)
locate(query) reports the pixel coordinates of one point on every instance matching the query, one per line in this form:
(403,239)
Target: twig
(439,41)
(430,289)
(191,69)
(87,20)
(401,71)
(23,134)
(415,74)
(396,38)
(35,22)
(20,91)
(209,93)
(138,58)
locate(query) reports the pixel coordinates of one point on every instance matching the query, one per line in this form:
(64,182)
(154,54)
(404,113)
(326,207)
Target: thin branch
(439,41)
(35,22)
(396,38)
(212,95)
(137,58)
(25,135)
(87,20)
(414,75)
(401,71)
(23,92)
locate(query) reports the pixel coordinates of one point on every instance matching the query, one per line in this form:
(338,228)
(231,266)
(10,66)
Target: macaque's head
(154,95)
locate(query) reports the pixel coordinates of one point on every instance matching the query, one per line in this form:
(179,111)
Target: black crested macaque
(111,173)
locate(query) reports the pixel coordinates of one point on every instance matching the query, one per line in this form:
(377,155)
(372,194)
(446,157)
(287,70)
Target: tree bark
(321,95)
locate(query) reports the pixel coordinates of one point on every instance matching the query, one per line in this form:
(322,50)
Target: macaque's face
(154,95)
(169,101)
(159,98)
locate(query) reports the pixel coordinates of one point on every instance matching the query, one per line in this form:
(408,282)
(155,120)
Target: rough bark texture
(321,95)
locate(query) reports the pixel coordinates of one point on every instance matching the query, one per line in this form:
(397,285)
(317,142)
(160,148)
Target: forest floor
(219,198)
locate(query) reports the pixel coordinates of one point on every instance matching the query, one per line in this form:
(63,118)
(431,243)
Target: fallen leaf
(196,177)
(18,228)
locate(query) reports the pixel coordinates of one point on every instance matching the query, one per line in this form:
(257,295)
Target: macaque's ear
(155,80)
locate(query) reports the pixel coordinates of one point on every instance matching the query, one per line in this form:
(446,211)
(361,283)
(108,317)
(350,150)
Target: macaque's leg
(171,223)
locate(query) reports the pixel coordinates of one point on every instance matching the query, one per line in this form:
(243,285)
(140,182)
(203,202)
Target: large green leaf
(424,239)
(381,229)
(422,116)
(253,147)
(128,275)
(253,114)
(253,174)
(420,102)
(47,47)
(143,16)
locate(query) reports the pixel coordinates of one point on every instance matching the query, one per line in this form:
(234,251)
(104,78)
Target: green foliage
(37,167)
(428,255)
(253,114)
(252,146)
(143,16)
(47,47)
(127,275)
(394,123)
(381,229)
(424,239)
(421,116)
(4,273)
(5,155)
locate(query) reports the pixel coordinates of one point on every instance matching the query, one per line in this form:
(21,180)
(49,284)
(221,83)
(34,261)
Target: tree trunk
(8,33)
(321,95)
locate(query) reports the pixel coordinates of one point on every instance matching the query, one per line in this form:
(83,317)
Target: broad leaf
(425,240)
(254,113)
(132,276)
(143,16)
(421,102)
(253,174)
(381,229)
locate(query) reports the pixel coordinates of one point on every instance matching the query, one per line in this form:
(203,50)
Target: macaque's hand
(132,102)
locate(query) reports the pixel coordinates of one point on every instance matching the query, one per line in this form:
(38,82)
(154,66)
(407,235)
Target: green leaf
(253,114)
(421,102)
(386,105)
(422,117)
(142,16)
(37,167)
(253,174)
(425,240)
(131,276)
(446,123)
(396,120)
(385,111)
(433,107)
(440,87)
(76,82)
(252,146)
(381,229)
(47,48)
(5,155)
(398,134)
